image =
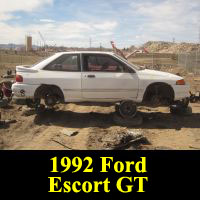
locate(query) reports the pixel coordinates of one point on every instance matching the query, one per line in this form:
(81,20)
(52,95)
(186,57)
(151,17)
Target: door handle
(91,76)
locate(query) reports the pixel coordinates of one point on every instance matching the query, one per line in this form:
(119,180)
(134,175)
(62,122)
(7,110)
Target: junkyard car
(97,77)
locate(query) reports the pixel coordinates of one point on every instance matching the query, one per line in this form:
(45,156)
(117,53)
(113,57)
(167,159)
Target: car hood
(147,73)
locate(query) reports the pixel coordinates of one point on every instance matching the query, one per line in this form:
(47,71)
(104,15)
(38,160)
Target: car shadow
(153,120)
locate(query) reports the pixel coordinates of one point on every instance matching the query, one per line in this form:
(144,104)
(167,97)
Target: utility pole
(90,42)
(197,52)
(199,39)
(100,47)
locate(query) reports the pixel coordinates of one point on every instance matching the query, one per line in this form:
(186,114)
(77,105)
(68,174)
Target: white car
(97,77)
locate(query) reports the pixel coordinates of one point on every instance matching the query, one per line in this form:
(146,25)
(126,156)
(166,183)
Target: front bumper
(181,92)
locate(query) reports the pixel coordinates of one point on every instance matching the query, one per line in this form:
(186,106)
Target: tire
(48,91)
(127,109)
(117,108)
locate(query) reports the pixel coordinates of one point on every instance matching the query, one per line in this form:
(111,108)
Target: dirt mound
(170,47)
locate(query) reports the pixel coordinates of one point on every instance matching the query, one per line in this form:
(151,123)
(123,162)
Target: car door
(64,72)
(106,77)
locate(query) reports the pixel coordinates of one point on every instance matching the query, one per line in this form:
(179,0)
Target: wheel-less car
(97,77)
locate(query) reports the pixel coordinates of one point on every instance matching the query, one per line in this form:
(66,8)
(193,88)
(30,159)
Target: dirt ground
(94,128)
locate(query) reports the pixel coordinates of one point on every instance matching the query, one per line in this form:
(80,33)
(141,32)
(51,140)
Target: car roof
(43,63)
(86,52)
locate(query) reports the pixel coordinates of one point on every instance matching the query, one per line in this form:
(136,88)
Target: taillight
(19,78)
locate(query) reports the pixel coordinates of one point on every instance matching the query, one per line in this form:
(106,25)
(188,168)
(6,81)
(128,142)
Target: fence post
(186,61)
(152,62)
(196,63)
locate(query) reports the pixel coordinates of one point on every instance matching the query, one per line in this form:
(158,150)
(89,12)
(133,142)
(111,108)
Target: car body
(89,76)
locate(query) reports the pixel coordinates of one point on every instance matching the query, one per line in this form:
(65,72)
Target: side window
(103,63)
(66,62)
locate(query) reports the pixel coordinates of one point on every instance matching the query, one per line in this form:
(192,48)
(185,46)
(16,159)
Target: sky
(73,23)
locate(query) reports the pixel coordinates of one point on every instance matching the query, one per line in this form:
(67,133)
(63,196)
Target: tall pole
(199,39)
(90,42)
(152,61)
(197,53)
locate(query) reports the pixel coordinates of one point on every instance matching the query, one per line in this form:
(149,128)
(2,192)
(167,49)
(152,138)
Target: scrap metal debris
(125,139)
(62,144)
(27,111)
(194,97)
(69,133)
(5,122)
(3,103)
(180,110)
(9,74)
(5,90)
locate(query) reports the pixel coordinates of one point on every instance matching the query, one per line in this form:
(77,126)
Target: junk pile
(170,47)
(9,74)
(6,122)
(194,98)
(5,90)
(124,140)
(5,98)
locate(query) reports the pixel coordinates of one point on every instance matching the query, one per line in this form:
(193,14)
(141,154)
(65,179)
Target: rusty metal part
(5,89)
(180,110)
(194,98)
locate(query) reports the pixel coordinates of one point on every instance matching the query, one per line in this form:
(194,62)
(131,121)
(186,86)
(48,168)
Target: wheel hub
(50,100)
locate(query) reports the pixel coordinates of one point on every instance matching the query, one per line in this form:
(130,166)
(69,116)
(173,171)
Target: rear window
(66,62)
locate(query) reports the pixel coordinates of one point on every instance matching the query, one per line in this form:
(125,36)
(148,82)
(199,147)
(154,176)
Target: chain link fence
(190,61)
(9,60)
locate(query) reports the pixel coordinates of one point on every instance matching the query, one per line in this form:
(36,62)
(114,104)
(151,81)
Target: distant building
(28,43)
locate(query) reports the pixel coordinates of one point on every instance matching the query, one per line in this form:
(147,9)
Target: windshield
(137,67)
